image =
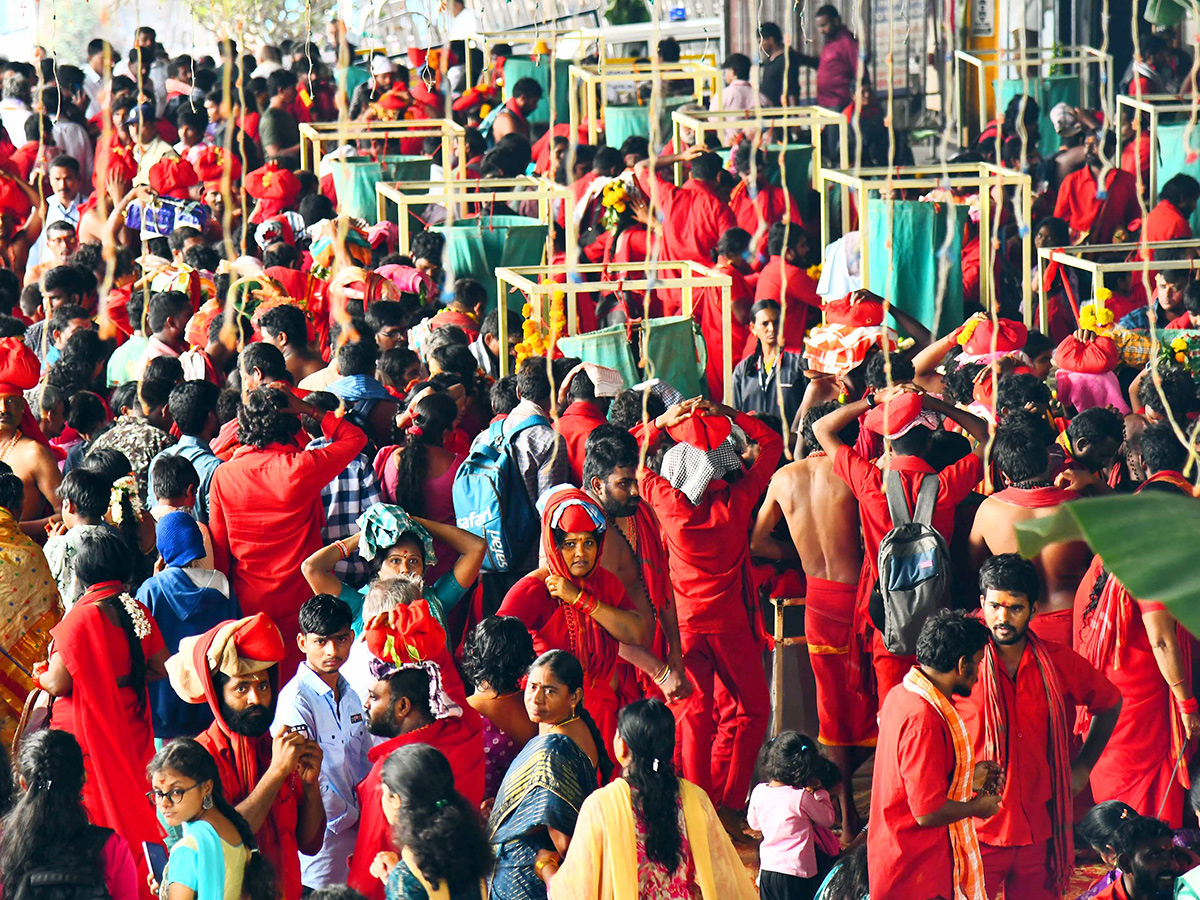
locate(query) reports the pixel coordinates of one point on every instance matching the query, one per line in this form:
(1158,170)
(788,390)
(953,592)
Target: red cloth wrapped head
(569,510)
(408,634)
(19,371)
(856,310)
(1009,335)
(896,417)
(1094,357)
(13,199)
(702,432)
(212,164)
(172,177)
(424,95)
(275,188)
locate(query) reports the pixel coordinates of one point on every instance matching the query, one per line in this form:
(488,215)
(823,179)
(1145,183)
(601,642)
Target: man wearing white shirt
(100,58)
(465,25)
(16,106)
(269,60)
(61,206)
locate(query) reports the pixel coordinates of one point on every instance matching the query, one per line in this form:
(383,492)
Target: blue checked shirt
(346,498)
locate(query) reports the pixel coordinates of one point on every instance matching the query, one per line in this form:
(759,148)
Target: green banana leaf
(1146,540)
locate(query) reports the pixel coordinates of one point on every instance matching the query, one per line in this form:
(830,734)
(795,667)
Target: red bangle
(1188,707)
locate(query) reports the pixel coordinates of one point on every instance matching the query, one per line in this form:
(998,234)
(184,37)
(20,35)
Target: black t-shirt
(771,76)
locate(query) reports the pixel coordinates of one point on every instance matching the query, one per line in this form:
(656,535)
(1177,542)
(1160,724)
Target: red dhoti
(847,717)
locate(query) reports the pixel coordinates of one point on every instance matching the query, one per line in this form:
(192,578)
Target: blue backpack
(490,499)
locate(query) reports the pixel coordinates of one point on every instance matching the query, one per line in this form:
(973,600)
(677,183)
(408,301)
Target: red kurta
(575,424)
(709,314)
(914,765)
(266,514)
(1024,816)
(771,204)
(461,746)
(1079,205)
(800,302)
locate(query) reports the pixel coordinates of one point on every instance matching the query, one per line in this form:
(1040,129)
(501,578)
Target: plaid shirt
(1135,347)
(348,496)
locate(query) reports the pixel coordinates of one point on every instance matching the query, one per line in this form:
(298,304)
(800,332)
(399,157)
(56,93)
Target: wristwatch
(870,398)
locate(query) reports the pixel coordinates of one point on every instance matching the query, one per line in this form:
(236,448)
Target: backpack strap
(507,434)
(893,490)
(927,495)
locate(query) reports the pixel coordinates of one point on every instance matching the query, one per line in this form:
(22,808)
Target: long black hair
(103,556)
(436,822)
(115,465)
(498,651)
(48,824)
(433,415)
(567,669)
(648,730)
(189,758)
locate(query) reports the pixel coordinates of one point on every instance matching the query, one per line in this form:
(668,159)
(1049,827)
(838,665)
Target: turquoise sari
(544,788)
(197,861)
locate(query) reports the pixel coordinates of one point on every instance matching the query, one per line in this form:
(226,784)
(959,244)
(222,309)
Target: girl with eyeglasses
(216,859)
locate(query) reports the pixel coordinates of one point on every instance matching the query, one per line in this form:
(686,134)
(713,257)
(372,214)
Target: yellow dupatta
(602,860)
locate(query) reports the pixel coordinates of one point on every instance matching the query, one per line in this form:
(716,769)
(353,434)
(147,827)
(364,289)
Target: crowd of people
(289,555)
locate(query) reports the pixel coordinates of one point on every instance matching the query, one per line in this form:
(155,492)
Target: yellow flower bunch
(1096,319)
(814,272)
(539,337)
(968,329)
(614,196)
(1179,344)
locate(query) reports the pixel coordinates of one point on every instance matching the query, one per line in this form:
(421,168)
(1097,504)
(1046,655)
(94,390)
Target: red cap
(407,634)
(212,164)
(172,176)
(422,94)
(19,368)
(854,309)
(272,182)
(575,519)
(259,639)
(703,432)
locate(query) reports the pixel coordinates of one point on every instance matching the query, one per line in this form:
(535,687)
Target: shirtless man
(22,445)
(16,240)
(1020,454)
(634,553)
(822,517)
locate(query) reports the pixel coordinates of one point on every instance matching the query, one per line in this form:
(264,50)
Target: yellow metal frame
(980,176)
(491,190)
(638,276)
(985,60)
(586,79)
(314,135)
(1153,105)
(1076,258)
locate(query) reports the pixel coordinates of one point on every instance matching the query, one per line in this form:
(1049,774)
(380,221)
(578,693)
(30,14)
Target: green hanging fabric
(797,159)
(621,122)
(401,168)
(516,68)
(605,347)
(475,248)
(1048,91)
(354,181)
(674,353)
(908,272)
(1174,147)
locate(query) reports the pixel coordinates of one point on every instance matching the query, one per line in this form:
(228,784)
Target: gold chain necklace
(8,447)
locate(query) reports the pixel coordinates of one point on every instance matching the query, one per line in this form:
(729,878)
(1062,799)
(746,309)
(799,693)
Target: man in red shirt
(783,280)
(1168,221)
(1021,713)
(922,843)
(265,508)
(273,782)
(704,501)
(756,202)
(694,216)
(261,365)
(1093,213)
(583,397)
(906,419)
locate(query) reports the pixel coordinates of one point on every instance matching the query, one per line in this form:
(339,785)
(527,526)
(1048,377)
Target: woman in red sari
(574,604)
(103,652)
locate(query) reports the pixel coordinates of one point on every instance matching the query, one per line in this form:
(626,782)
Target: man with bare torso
(822,517)
(1024,462)
(22,445)
(634,553)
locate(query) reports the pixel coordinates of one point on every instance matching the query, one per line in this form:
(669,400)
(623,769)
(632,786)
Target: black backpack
(74,876)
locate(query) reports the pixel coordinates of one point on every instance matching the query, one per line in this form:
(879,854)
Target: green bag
(909,272)
(475,248)
(516,68)
(605,347)
(675,353)
(1048,91)
(354,179)
(404,168)
(797,159)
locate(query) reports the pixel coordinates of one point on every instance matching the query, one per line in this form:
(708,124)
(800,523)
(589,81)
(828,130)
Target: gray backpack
(914,566)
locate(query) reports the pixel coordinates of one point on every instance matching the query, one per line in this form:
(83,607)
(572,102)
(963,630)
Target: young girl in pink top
(787,810)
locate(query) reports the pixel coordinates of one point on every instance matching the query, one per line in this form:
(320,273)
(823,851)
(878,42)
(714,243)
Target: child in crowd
(84,498)
(174,482)
(320,702)
(788,810)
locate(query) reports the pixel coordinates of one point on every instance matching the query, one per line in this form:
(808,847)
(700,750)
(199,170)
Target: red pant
(728,674)
(1021,871)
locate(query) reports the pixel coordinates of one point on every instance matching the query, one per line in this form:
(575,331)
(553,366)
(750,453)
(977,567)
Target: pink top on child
(786,815)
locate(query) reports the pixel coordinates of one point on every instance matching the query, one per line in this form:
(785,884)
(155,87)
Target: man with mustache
(1020,714)
(274,782)
(1098,199)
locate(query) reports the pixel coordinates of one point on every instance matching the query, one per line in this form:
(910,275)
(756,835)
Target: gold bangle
(542,863)
(662,676)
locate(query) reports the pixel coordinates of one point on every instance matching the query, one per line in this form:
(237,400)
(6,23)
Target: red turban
(214,162)
(19,367)
(703,432)
(172,176)
(274,187)
(407,634)
(896,417)
(854,309)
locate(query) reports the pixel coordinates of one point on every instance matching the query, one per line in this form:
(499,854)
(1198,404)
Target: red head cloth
(424,95)
(984,390)
(898,416)
(408,634)
(1094,357)
(568,509)
(1009,335)
(13,199)
(702,432)
(19,368)
(212,164)
(854,309)
(274,187)
(172,177)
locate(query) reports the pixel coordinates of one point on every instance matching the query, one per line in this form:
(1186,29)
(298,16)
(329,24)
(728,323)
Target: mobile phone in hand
(156,859)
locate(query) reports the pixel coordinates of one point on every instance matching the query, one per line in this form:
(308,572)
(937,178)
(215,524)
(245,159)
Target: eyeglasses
(175,795)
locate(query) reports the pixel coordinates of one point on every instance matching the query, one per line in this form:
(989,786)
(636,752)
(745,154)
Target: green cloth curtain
(1048,91)
(797,160)
(354,181)
(1174,145)
(908,273)
(605,347)
(673,349)
(475,248)
(407,168)
(516,68)
(621,122)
